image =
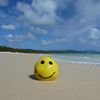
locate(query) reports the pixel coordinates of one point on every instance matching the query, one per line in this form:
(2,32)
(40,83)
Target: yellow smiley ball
(46,69)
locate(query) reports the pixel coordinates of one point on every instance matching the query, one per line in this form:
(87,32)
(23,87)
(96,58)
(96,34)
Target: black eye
(50,62)
(42,62)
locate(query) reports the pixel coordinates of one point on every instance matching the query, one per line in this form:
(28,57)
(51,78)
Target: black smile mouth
(45,77)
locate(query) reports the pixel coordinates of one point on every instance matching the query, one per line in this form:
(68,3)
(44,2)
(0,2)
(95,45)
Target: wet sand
(75,81)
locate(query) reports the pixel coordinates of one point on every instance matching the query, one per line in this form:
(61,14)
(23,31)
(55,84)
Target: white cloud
(40,12)
(46,42)
(38,30)
(89,10)
(91,37)
(8,27)
(3,2)
(30,36)
(9,36)
(16,38)
(56,41)
(81,39)
(94,34)
(44,6)
(61,40)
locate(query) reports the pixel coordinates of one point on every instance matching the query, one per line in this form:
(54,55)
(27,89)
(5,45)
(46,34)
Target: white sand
(75,81)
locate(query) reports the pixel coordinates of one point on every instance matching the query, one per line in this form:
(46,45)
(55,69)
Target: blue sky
(50,24)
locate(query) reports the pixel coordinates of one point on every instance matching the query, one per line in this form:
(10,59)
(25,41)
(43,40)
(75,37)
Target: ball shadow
(32,77)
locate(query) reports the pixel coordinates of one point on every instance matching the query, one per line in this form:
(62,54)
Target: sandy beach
(75,81)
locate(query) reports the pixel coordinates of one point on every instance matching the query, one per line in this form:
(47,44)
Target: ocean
(84,58)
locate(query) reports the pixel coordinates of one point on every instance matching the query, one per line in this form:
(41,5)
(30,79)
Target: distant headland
(10,49)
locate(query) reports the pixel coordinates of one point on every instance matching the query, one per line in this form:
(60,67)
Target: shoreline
(58,60)
(73,62)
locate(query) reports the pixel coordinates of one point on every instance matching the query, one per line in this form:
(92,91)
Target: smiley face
(46,69)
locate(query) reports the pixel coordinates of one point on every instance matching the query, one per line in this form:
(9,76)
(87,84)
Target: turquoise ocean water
(85,58)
